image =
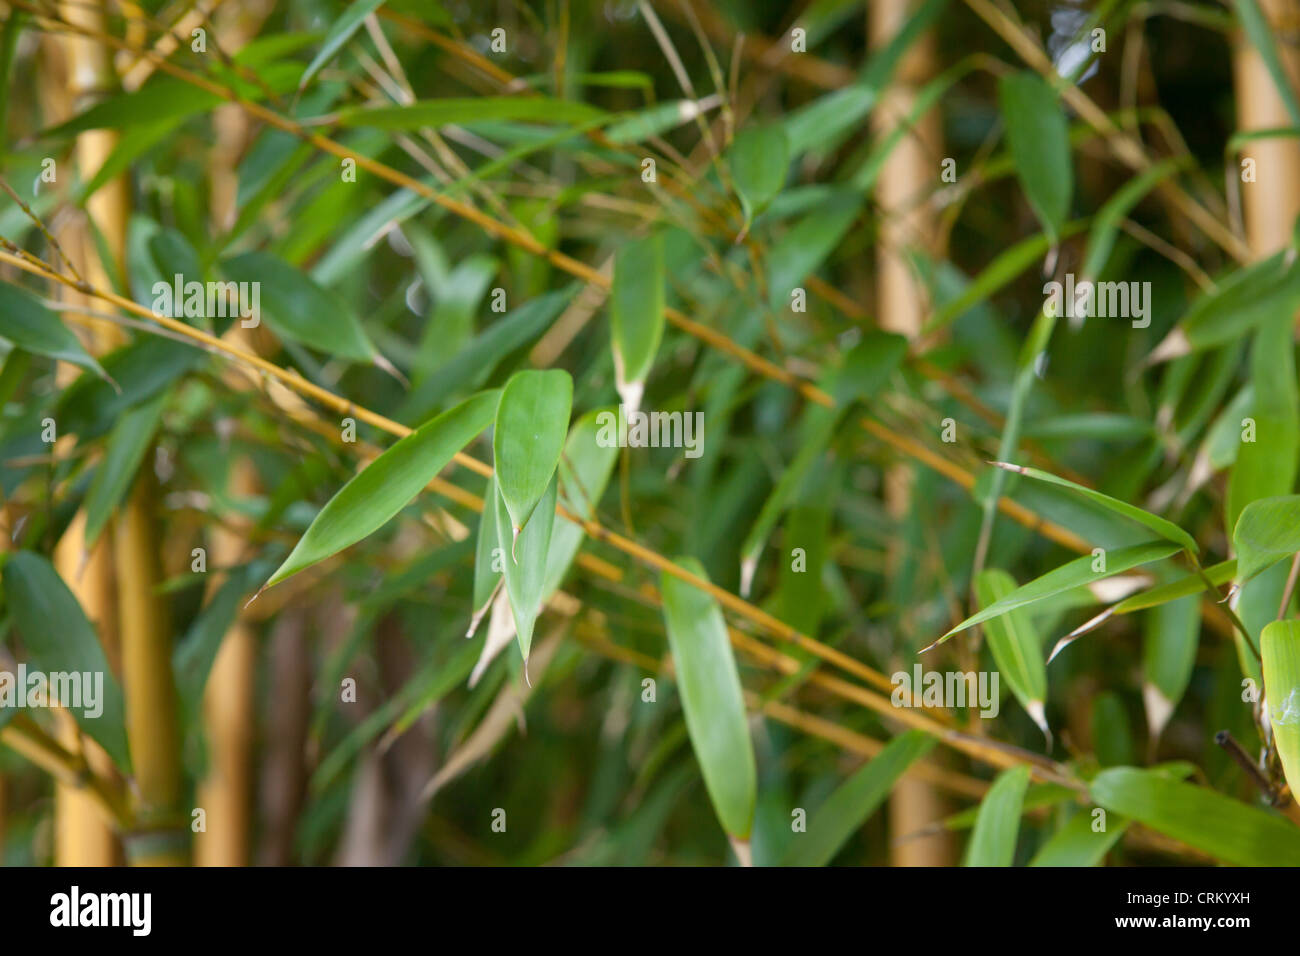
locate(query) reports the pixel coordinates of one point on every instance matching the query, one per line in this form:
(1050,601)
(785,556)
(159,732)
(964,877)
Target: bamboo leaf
(1106,224)
(1231,831)
(388,484)
(1169,641)
(636,305)
(531,423)
(1078,844)
(127,444)
(1259,31)
(1039,138)
(487,557)
(759,159)
(711,699)
(60,639)
(803,249)
(1280,650)
(340,32)
(32,327)
(1267,532)
(524,560)
(856,799)
(1076,573)
(584,472)
(441,112)
(296,308)
(993,841)
(1017,648)
(1161,526)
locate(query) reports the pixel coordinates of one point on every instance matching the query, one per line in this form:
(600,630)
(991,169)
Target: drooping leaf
(33,328)
(636,306)
(531,423)
(61,641)
(127,444)
(441,112)
(711,699)
(1169,642)
(296,308)
(388,484)
(759,158)
(1227,829)
(1039,138)
(1016,646)
(993,841)
(525,562)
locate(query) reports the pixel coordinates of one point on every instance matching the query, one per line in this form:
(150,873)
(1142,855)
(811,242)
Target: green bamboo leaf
(127,444)
(584,472)
(296,308)
(711,699)
(993,842)
(348,23)
(1266,466)
(1238,304)
(1161,526)
(652,121)
(1017,648)
(441,112)
(1110,217)
(60,640)
(531,424)
(1039,138)
(524,560)
(488,557)
(1227,829)
(32,327)
(1280,649)
(759,159)
(1220,573)
(1267,532)
(1169,640)
(802,250)
(1078,844)
(1076,573)
(388,484)
(636,306)
(855,800)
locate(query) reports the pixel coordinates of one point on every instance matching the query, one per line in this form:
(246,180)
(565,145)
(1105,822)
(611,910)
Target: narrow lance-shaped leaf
(759,159)
(1016,646)
(60,639)
(296,308)
(340,32)
(1261,36)
(1169,643)
(1161,526)
(1081,571)
(531,423)
(441,112)
(525,568)
(853,802)
(34,328)
(711,699)
(388,484)
(1039,138)
(636,305)
(1280,649)
(993,842)
(127,444)
(488,558)
(1081,841)
(1227,829)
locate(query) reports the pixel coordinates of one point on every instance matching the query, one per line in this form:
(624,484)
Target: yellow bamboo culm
(151,712)
(906,222)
